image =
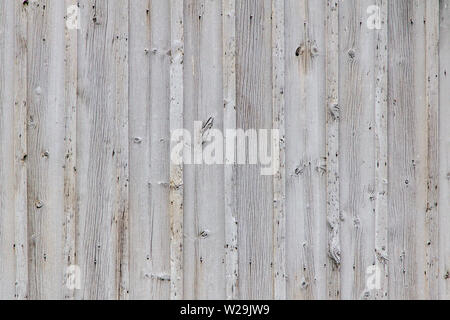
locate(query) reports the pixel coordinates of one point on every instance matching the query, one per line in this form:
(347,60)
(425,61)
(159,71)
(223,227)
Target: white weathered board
(88,190)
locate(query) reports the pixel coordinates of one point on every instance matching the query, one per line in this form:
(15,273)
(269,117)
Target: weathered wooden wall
(85,171)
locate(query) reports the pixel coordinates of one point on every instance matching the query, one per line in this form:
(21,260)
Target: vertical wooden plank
(444,151)
(407,143)
(142,284)
(7,146)
(102,149)
(149,149)
(176,170)
(20,122)
(254,111)
(279,179)
(70,199)
(332,149)
(421,149)
(159,137)
(305,149)
(356,147)
(229,122)
(45,144)
(204,219)
(192,16)
(121,110)
(381,152)
(432,180)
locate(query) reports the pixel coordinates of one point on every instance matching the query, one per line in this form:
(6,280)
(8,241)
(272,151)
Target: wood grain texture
(358,208)
(279,179)
(102,148)
(45,148)
(254,192)
(149,139)
(407,149)
(356,147)
(305,96)
(432,211)
(204,220)
(381,153)
(70,152)
(332,149)
(19,141)
(229,123)
(176,184)
(7,152)
(444,150)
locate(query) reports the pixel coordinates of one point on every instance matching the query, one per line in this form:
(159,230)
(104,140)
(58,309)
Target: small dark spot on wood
(351,53)
(137,140)
(204,234)
(39,204)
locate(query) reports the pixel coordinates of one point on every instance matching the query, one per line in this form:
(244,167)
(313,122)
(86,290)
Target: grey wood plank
(254,111)
(204,219)
(381,153)
(149,149)
(142,284)
(305,150)
(444,150)
(407,143)
(229,123)
(176,195)
(279,179)
(45,145)
(432,179)
(70,145)
(20,151)
(102,149)
(332,149)
(356,147)
(7,161)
